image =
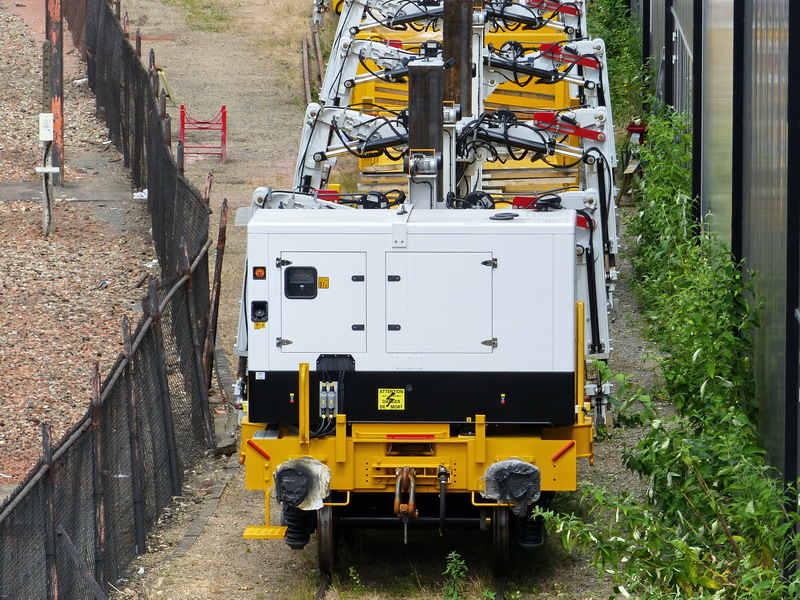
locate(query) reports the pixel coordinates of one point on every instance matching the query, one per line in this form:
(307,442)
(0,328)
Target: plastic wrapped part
(514,482)
(302,483)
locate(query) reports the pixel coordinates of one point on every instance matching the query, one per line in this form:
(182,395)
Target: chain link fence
(83,513)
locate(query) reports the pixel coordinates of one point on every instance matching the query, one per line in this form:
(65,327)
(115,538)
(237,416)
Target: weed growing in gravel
(205,15)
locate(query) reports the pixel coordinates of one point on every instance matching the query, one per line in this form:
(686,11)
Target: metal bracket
(490,263)
(282,342)
(281,262)
(492,343)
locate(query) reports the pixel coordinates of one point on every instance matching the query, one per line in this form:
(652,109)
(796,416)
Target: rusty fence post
(197,345)
(136,448)
(55,35)
(181,167)
(207,188)
(213,312)
(49,515)
(126,27)
(138,43)
(168,131)
(163,384)
(162,104)
(98,454)
(118,10)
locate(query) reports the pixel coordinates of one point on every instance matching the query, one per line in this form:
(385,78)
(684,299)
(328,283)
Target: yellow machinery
(424,365)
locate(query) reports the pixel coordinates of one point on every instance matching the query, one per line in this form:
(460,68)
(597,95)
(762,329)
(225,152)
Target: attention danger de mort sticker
(391,399)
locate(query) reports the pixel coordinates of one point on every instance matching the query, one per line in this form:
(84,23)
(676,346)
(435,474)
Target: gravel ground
(62,298)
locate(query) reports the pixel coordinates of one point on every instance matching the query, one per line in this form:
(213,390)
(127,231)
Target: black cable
(594,319)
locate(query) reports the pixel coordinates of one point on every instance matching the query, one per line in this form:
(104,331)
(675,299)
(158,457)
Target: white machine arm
(332,131)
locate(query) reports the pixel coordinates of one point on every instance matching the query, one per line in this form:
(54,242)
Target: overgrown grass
(628,77)
(713,523)
(205,15)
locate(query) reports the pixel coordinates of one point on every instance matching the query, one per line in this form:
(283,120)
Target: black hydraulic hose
(594,320)
(601,181)
(443,475)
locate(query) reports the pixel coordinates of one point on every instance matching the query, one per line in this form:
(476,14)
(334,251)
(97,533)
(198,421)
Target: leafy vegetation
(610,20)
(713,523)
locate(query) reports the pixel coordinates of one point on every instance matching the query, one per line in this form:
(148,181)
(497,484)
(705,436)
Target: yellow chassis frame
(367,459)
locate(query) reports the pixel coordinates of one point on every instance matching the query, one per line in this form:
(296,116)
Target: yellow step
(262,532)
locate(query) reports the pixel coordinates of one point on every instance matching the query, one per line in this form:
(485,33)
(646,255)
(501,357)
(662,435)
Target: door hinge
(281,262)
(490,263)
(282,342)
(492,343)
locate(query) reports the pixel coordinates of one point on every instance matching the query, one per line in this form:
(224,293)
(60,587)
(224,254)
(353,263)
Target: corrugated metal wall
(764,211)
(748,190)
(717,127)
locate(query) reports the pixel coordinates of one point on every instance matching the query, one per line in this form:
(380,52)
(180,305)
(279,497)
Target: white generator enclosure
(397,299)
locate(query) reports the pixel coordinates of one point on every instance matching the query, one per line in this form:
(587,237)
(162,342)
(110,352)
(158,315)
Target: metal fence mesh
(92,503)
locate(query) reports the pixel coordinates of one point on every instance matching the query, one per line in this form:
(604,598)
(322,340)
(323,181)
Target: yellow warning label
(391,399)
(322,283)
(259,325)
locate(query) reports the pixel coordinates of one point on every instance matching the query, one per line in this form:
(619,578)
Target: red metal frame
(218,123)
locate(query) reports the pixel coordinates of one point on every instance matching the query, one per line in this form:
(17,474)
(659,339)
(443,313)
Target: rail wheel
(501,540)
(326,541)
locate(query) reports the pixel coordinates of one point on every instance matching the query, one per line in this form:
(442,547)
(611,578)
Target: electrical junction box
(46,127)
(468,309)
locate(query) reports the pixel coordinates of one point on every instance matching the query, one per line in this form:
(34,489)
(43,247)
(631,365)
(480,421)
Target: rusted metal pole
(138,43)
(318,51)
(180,157)
(126,27)
(54,35)
(207,189)
(151,305)
(50,515)
(137,481)
(168,131)
(198,349)
(306,70)
(117,10)
(162,104)
(211,335)
(98,454)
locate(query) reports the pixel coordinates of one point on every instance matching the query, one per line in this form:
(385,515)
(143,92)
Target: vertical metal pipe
(211,335)
(198,349)
(425,114)
(646,31)
(739,125)
(138,43)
(698,25)
(50,515)
(137,482)
(669,54)
(55,36)
(98,454)
(168,131)
(162,104)
(180,157)
(457,44)
(163,385)
(791,468)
